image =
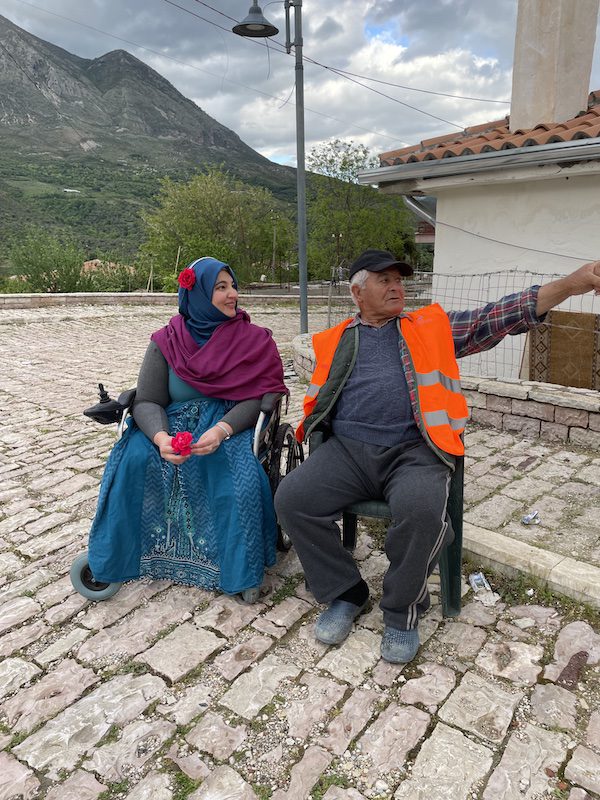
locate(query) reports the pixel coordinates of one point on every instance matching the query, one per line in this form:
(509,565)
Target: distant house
(425,233)
(520,193)
(72,191)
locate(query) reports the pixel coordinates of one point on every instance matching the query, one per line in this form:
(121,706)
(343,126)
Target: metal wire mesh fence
(565,350)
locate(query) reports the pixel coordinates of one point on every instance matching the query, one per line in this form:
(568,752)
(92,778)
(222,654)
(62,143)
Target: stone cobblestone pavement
(165,692)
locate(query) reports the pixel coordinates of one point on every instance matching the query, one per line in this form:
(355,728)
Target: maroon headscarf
(239,362)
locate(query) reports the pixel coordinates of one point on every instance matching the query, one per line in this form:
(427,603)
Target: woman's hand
(210,440)
(163,441)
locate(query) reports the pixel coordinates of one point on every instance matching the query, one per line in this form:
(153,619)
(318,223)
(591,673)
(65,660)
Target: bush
(48,264)
(107,275)
(13,284)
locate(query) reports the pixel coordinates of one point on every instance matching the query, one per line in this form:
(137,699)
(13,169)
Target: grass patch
(262,792)
(18,738)
(523,589)
(183,785)
(112,735)
(33,188)
(119,787)
(325,782)
(258,724)
(287,589)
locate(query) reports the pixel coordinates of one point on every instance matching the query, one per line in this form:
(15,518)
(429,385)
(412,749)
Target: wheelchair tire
(83,581)
(286,454)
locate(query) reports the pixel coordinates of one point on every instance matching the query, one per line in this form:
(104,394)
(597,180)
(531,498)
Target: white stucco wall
(560,216)
(497,228)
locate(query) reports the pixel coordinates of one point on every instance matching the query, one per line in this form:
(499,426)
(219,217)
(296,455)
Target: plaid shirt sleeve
(483,328)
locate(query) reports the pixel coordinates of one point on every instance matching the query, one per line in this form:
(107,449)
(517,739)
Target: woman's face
(225,295)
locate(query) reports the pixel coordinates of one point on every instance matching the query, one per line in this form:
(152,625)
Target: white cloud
(455,46)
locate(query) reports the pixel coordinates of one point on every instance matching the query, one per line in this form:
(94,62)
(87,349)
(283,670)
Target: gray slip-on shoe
(335,623)
(399,647)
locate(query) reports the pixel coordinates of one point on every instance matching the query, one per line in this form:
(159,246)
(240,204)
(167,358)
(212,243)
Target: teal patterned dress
(208,522)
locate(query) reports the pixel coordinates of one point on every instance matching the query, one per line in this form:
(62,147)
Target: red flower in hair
(187,278)
(181,443)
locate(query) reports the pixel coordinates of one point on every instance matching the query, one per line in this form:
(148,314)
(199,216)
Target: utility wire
(437,222)
(337,72)
(410,88)
(581,259)
(395,100)
(367,77)
(205,71)
(341,75)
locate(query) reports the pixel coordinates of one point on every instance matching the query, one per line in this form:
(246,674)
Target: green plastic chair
(450,561)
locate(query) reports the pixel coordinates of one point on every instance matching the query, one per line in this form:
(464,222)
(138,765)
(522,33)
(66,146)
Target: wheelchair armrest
(269,401)
(127,397)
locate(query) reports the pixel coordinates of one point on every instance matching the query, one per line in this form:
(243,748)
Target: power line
(511,244)
(205,71)
(413,88)
(400,102)
(332,69)
(366,77)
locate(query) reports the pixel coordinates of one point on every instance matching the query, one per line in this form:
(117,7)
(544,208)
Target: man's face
(382,296)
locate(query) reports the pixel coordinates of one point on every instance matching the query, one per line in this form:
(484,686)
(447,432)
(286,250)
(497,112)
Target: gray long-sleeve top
(152,397)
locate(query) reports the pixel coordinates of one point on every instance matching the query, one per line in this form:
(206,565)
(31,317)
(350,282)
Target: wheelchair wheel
(83,581)
(286,454)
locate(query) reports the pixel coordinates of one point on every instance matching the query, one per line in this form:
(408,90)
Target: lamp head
(255,25)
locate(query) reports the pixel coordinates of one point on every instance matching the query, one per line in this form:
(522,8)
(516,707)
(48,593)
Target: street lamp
(255,25)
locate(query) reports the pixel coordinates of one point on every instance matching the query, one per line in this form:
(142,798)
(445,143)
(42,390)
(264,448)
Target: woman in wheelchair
(202,513)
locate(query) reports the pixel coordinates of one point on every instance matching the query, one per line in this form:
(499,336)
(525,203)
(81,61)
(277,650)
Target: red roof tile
(496,135)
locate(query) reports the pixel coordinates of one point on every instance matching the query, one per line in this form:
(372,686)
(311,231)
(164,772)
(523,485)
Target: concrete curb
(561,574)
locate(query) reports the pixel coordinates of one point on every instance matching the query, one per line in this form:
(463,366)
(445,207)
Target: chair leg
(450,564)
(349,530)
(451,558)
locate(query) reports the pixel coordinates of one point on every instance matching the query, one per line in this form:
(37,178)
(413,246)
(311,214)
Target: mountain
(106,129)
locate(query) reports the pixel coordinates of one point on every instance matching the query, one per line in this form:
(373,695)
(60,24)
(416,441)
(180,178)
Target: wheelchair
(273,443)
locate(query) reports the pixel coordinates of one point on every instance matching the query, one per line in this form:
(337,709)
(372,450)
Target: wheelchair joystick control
(108,411)
(104,396)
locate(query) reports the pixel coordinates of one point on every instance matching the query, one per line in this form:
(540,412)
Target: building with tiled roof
(509,206)
(517,200)
(496,136)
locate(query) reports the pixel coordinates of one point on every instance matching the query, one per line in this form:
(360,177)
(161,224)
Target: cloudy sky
(452,47)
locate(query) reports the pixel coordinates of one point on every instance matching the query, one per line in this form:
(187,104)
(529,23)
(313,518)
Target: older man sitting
(386,385)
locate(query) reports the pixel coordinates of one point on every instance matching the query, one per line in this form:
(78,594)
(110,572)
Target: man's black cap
(376,260)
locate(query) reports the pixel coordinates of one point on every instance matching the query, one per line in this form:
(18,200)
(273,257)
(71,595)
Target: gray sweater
(152,397)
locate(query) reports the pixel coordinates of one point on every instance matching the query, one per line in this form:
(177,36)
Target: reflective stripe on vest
(442,418)
(428,336)
(435,376)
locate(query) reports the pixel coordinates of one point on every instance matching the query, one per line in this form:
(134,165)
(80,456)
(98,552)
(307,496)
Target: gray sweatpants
(414,482)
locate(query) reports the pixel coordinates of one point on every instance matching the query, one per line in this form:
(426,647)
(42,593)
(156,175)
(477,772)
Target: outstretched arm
(585,279)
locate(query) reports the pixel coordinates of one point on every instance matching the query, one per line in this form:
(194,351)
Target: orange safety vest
(428,336)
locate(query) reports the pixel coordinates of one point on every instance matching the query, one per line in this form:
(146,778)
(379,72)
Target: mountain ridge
(66,119)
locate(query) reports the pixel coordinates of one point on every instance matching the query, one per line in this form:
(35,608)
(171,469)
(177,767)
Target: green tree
(48,263)
(345,218)
(215,214)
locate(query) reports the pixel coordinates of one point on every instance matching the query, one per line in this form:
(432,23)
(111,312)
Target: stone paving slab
(165,692)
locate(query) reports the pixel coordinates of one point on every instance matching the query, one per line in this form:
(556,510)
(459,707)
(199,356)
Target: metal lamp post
(255,25)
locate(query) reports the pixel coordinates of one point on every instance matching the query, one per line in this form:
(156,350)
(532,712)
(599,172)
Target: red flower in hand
(187,278)
(181,443)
